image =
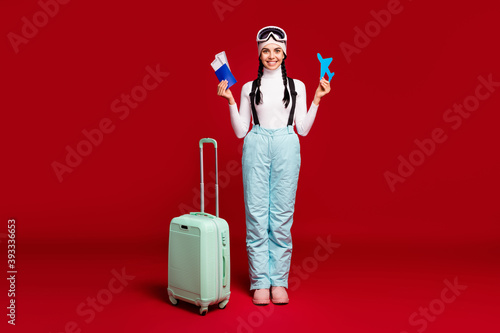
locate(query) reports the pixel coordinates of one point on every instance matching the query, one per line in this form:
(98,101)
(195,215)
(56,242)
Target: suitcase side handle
(225,266)
(202,186)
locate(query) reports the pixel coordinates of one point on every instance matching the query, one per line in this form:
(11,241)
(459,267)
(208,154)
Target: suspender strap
(294,97)
(252,103)
(292,111)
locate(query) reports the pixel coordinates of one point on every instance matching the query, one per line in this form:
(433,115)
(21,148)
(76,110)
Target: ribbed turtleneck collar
(272,73)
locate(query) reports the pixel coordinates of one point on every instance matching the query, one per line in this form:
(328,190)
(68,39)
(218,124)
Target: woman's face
(272,56)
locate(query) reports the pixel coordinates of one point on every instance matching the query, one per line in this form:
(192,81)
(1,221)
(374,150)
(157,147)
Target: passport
(222,70)
(224,73)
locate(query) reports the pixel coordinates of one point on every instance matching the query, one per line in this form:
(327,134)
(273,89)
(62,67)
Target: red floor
(358,287)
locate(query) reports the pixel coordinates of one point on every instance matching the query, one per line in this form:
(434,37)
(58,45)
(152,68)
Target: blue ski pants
(271,164)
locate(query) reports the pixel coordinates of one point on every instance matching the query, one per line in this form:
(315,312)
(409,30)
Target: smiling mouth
(272,63)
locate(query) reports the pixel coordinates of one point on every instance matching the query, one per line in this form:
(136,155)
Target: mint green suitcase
(198,253)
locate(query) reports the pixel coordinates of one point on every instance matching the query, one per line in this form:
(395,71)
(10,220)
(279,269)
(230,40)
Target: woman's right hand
(226,93)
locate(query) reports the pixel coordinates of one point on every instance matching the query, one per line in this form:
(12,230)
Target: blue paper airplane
(324,67)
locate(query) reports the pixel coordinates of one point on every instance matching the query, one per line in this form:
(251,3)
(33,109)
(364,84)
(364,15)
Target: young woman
(271,161)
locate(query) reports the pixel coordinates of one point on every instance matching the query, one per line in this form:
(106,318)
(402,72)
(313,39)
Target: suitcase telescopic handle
(202,187)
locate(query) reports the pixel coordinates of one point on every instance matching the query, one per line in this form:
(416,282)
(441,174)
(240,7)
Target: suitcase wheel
(203,310)
(173,300)
(222,305)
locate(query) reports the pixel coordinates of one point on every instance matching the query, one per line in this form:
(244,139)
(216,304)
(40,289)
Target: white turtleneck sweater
(271,111)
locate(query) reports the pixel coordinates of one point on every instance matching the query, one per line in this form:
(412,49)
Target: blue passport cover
(223,73)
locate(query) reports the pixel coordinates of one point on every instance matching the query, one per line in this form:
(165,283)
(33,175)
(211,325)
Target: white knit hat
(271,40)
(271,35)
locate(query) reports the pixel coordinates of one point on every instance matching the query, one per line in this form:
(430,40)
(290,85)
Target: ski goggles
(277,33)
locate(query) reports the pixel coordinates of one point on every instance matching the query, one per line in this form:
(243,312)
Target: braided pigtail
(259,76)
(286,98)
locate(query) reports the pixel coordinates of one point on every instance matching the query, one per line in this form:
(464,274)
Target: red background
(113,209)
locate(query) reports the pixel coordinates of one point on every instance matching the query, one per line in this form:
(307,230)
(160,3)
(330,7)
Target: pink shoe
(261,297)
(280,295)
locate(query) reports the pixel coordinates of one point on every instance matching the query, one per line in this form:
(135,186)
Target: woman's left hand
(323,89)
